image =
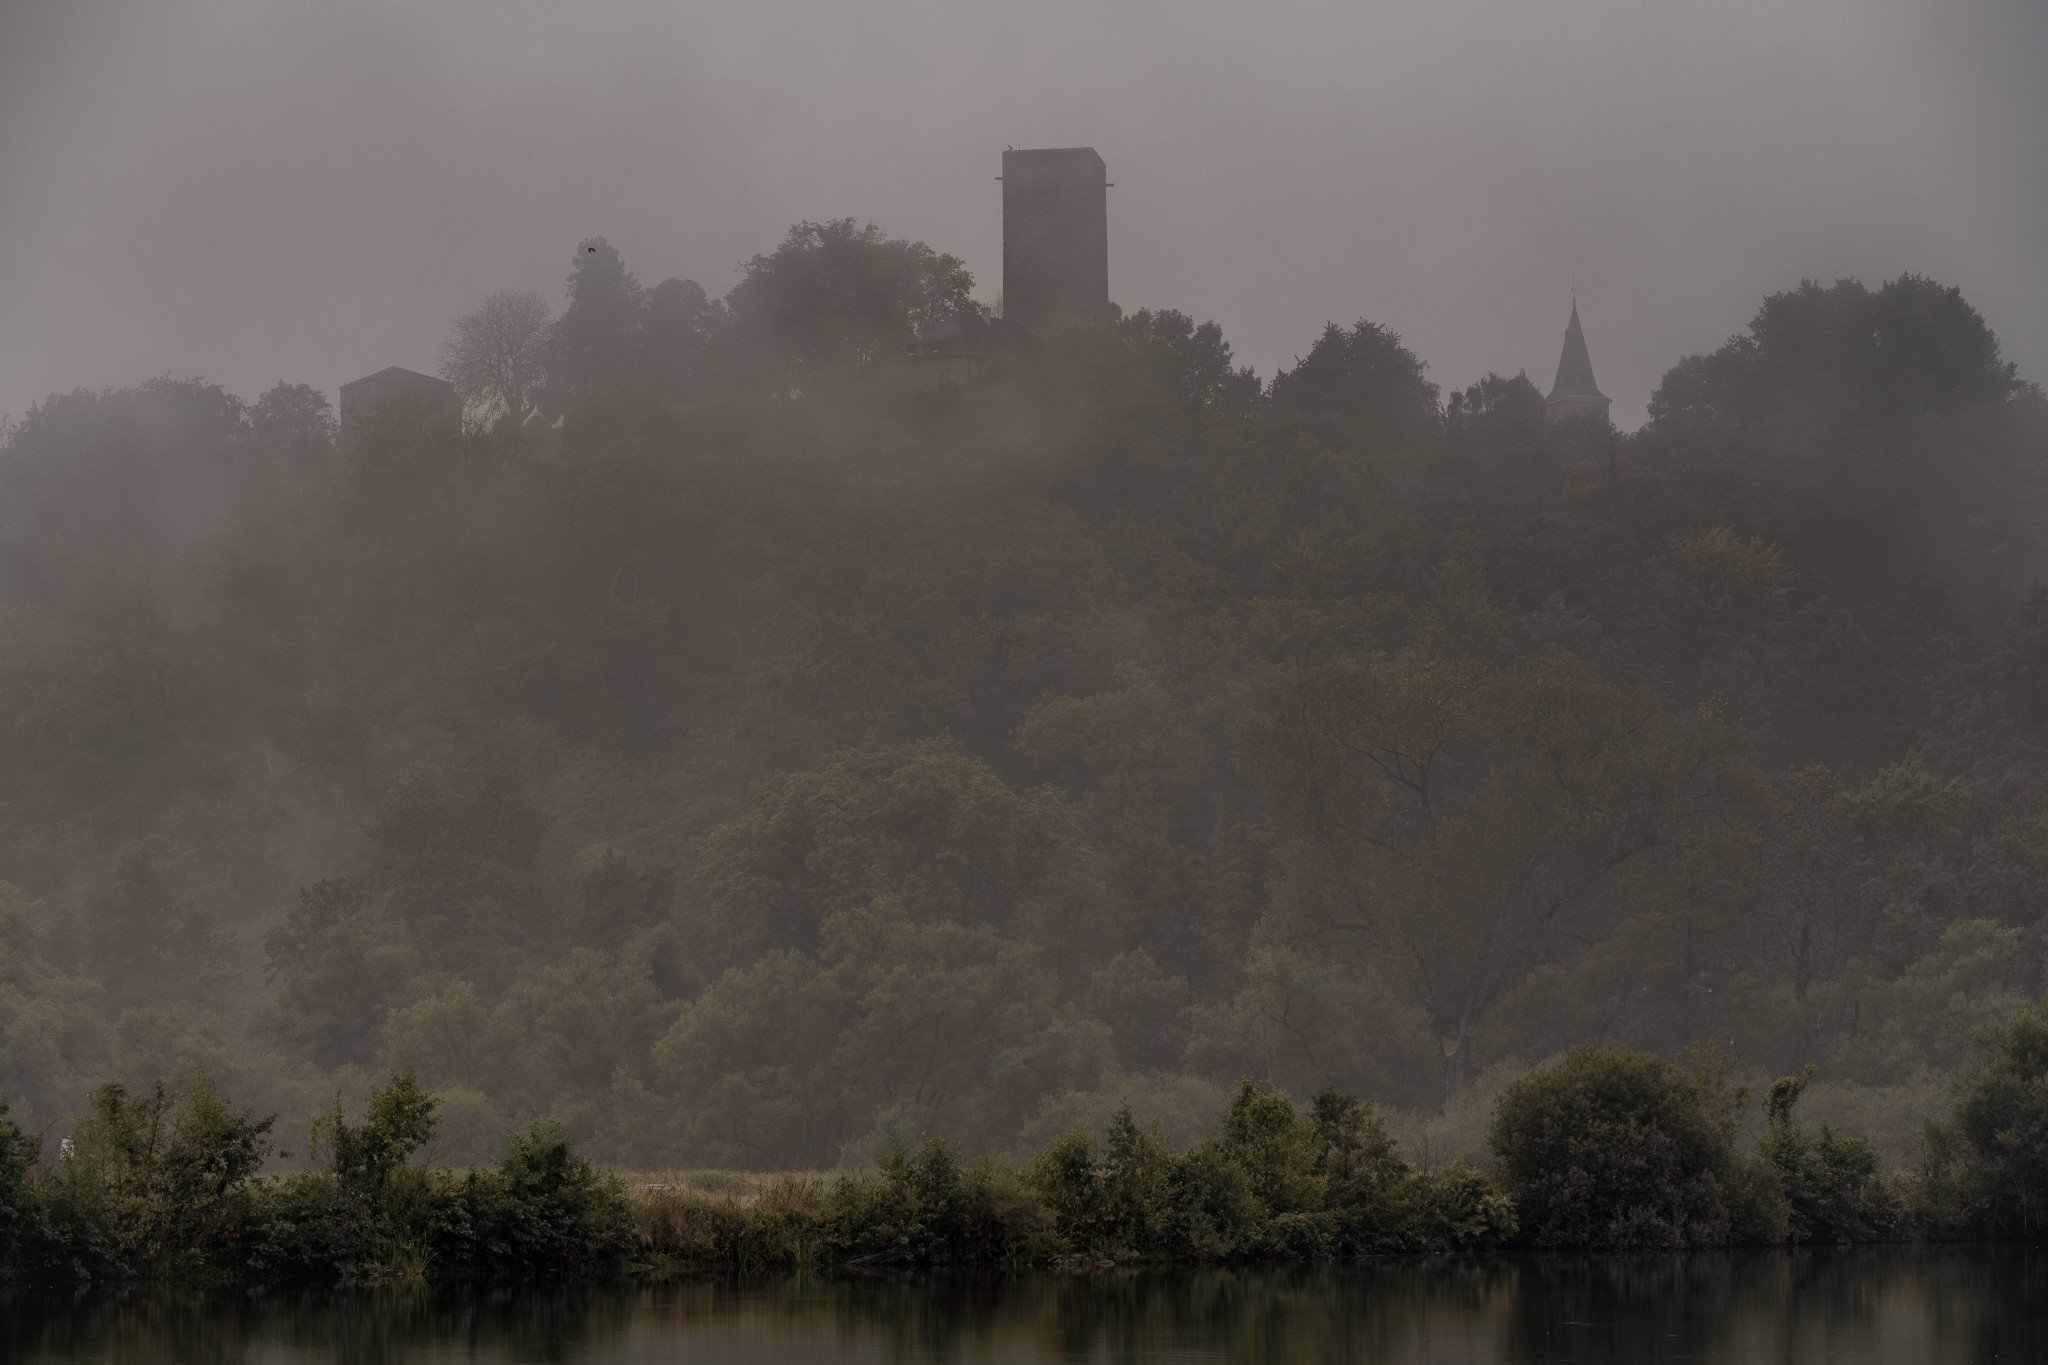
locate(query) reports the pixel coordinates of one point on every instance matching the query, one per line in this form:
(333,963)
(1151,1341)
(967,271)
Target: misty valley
(841,780)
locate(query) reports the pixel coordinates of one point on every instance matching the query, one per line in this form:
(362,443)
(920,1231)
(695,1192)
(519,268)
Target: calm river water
(1944,1304)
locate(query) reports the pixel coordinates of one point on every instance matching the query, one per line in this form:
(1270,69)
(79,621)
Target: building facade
(396,397)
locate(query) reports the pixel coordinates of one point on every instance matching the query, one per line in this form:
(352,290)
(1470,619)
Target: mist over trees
(496,354)
(759,753)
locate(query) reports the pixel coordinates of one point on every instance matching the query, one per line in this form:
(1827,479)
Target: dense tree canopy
(764,753)
(839,293)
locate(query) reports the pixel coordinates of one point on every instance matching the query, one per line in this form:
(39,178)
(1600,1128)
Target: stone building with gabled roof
(1575,394)
(397,396)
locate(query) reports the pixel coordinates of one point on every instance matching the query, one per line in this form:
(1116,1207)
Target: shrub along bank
(1271,1184)
(1605,1149)
(1613,1149)
(165,1187)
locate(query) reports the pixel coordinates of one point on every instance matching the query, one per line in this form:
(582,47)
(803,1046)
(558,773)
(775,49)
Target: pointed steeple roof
(1574,366)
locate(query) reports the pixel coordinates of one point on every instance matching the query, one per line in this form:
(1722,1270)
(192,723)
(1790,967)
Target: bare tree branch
(495,354)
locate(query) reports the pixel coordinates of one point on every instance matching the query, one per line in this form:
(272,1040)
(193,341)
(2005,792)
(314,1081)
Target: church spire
(1575,393)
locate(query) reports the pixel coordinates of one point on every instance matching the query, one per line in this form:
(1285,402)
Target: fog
(256,191)
(759,704)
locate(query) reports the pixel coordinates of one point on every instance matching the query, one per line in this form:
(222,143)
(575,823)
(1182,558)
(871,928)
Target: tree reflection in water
(1869,1304)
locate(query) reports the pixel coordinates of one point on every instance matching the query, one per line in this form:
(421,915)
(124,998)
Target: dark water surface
(1879,1305)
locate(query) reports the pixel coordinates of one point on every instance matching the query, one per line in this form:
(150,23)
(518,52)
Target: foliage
(292,420)
(1303,1022)
(1610,1148)
(398,1121)
(1459,819)
(19,1207)
(590,349)
(922,823)
(1269,1184)
(1990,1161)
(543,1207)
(841,293)
(1365,380)
(51,1036)
(1832,1189)
(333,967)
(146,941)
(156,1184)
(1604,1149)
(933,1025)
(562,1038)
(761,756)
(1194,360)
(496,352)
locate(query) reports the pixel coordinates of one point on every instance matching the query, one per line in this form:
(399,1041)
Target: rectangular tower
(1055,238)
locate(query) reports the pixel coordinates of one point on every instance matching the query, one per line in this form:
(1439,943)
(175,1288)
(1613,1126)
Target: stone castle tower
(1055,238)
(1575,394)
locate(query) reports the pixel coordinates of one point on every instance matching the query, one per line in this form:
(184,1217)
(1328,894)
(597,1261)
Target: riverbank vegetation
(741,754)
(1606,1149)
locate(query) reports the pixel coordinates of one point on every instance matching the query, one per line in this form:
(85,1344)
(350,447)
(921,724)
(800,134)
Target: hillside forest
(743,754)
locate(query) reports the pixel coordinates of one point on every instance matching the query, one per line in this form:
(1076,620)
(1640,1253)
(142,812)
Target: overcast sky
(253,191)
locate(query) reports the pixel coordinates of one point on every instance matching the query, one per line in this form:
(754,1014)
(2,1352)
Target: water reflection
(1945,1304)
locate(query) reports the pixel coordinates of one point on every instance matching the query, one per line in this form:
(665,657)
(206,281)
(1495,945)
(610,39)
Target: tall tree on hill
(1460,825)
(1876,434)
(1195,361)
(680,341)
(293,419)
(840,293)
(149,946)
(1366,384)
(595,347)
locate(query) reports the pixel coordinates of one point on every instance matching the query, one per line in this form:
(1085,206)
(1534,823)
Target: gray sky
(251,190)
